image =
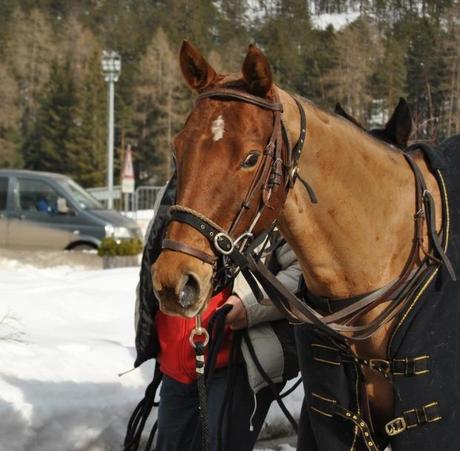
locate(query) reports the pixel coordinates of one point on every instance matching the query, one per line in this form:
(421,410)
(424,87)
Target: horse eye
(251,160)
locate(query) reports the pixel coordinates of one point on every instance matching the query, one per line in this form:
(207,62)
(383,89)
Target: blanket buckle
(396,426)
(380,365)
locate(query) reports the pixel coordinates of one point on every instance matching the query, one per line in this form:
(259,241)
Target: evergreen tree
(46,147)
(319,64)
(9,119)
(409,48)
(450,121)
(389,80)
(29,51)
(160,104)
(285,37)
(359,51)
(86,145)
(426,77)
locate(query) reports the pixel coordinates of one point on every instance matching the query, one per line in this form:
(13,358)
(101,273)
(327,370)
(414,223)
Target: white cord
(251,426)
(126,372)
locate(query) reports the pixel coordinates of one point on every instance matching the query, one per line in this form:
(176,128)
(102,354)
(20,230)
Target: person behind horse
(166,338)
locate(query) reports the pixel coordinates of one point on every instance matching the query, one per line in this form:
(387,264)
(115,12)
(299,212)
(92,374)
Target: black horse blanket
(423,356)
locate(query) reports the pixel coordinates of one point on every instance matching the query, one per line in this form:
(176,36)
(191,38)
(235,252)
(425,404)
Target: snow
(337,20)
(66,334)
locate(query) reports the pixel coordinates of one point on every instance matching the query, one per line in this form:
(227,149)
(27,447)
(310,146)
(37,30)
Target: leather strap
(418,416)
(431,219)
(233,94)
(329,407)
(186,249)
(407,366)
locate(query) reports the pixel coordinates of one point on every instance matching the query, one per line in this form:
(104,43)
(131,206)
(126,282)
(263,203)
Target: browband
(229,93)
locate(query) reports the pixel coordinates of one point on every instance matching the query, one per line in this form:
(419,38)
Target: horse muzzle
(181,283)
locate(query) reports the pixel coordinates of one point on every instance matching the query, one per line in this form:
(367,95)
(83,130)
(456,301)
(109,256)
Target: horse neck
(360,234)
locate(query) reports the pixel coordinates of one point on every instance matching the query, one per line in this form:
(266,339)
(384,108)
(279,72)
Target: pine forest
(53,95)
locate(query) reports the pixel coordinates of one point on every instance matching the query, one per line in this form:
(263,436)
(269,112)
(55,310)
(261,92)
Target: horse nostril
(190,291)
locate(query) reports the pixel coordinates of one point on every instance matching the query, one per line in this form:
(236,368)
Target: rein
(200,346)
(280,165)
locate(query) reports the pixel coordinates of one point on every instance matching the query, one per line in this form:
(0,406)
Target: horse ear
(195,69)
(256,72)
(399,126)
(341,112)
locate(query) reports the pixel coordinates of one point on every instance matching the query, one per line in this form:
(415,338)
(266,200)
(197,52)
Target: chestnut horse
(356,239)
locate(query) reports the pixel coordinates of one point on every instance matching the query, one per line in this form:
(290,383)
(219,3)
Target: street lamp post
(111,68)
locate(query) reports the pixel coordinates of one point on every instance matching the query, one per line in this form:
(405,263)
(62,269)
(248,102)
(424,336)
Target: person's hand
(237,318)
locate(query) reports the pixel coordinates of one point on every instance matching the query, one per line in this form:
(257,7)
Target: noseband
(274,177)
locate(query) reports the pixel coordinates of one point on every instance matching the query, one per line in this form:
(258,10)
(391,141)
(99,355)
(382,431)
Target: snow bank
(70,334)
(59,388)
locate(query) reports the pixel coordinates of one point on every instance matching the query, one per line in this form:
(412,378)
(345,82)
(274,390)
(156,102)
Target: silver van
(50,211)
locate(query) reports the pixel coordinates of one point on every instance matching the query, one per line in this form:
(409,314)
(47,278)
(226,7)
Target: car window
(3,192)
(35,195)
(84,199)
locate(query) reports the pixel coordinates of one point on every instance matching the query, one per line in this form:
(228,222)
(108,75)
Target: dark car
(51,211)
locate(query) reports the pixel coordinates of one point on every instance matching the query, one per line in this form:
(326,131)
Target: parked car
(51,211)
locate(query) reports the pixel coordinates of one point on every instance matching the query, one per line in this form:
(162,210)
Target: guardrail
(142,199)
(101,194)
(145,197)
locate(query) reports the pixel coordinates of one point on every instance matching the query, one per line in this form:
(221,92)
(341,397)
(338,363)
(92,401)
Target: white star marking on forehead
(217,128)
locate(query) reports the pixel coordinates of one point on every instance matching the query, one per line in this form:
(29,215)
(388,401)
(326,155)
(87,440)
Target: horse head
(396,131)
(218,152)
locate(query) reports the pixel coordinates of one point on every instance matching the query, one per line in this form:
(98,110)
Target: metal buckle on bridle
(223,243)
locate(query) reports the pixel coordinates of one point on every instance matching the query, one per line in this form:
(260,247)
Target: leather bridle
(274,177)
(270,184)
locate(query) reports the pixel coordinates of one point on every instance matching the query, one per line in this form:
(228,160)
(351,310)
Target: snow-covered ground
(66,333)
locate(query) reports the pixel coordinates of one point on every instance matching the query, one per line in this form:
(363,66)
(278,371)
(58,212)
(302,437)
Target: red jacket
(176,356)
